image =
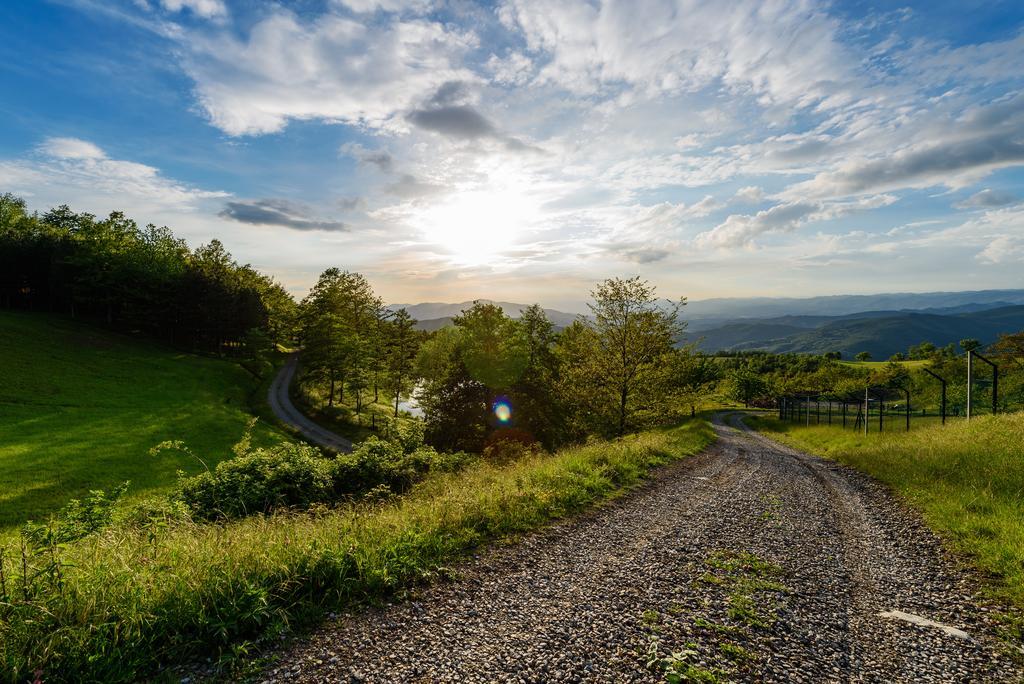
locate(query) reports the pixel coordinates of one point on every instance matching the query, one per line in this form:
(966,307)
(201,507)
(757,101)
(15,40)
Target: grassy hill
(879,333)
(80,408)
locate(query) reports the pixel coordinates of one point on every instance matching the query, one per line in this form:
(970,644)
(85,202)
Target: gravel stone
(567,604)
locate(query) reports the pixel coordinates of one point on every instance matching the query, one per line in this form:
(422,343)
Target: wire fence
(875,413)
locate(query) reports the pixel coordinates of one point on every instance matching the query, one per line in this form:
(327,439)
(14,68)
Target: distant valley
(881,324)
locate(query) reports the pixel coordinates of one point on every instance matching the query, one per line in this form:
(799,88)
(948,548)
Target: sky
(525,149)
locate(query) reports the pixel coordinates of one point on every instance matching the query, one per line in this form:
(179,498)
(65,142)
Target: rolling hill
(730,309)
(879,333)
(432,316)
(81,407)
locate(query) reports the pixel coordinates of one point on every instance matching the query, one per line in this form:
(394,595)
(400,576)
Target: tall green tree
(400,355)
(635,333)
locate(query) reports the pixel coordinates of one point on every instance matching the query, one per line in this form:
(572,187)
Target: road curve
(582,601)
(281,403)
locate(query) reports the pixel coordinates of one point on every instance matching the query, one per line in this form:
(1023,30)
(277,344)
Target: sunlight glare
(476,226)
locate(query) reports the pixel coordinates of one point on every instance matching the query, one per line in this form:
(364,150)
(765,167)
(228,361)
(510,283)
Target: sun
(476,227)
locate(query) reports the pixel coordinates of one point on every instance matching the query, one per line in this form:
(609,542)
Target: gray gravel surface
(281,403)
(585,600)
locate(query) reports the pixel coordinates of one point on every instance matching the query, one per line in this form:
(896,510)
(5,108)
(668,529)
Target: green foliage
(132,278)
(76,520)
(258,482)
(119,605)
(261,480)
(634,336)
(970,344)
(862,356)
(102,402)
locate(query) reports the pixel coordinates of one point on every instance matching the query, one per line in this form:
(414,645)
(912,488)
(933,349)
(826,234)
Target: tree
(534,393)
(402,345)
(745,385)
(633,334)
(693,375)
(1009,348)
(863,356)
(833,355)
(338,323)
(969,344)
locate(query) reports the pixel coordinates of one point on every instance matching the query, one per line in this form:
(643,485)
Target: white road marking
(925,622)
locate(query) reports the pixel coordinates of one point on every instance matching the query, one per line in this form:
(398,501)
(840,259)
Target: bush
(294,475)
(258,482)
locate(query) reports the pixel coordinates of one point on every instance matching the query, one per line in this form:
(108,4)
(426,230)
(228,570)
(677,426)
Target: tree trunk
(330,400)
(397,397)
(623,394)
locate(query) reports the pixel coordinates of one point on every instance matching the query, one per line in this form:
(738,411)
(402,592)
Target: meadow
(966,478)
(80,408)
(120,604)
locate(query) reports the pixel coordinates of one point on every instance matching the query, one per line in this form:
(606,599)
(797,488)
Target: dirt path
(281,403)
(751,561)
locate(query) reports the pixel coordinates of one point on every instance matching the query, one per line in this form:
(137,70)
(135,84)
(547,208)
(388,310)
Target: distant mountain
(436,315)
(882,334)
(730,309)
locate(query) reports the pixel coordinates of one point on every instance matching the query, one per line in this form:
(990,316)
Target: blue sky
(523,149)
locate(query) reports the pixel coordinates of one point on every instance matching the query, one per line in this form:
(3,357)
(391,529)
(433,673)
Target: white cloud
(208,9)
(751,194)
(71,148)
(1003,249)
(78,172)
(366,6)
(740,230)
(332,68)
(784,52)
(953,153)
(513,69)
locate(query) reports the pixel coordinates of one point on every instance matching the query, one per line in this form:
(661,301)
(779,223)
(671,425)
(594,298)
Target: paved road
(285,410)
(830,554)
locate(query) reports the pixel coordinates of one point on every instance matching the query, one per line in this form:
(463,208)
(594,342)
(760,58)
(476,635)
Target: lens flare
(502,411)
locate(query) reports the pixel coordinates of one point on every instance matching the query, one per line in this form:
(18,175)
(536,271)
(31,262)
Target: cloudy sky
(524,149)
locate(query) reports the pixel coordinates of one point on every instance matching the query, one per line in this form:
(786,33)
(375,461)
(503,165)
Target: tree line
(133,278)
(761,378)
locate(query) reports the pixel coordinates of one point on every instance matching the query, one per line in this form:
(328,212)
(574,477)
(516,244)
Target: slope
(884,336)
(80,408)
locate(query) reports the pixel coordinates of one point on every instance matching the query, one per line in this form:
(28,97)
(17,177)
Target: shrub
(76,520)
(258,482)
(294,475)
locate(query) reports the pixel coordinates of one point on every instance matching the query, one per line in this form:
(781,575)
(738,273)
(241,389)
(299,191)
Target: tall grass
(967,479)
(129,601)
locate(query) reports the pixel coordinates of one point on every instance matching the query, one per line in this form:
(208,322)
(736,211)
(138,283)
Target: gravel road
(281,403)
(751,561)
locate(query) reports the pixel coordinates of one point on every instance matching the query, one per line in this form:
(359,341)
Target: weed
(735,652)
(651,617)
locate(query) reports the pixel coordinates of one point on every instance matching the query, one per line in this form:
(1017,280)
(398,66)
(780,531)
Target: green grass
(967,479)
(915,363)
(80,407)
(130,600)
(342,418)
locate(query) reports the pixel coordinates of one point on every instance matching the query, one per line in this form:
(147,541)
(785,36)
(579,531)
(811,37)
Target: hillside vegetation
(81,408)
(966,478)
(881,334)
(129,599)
